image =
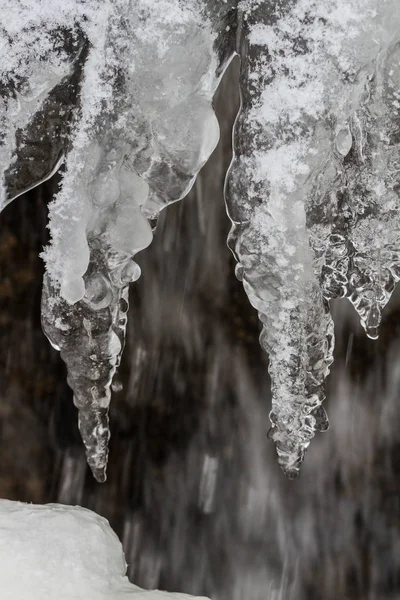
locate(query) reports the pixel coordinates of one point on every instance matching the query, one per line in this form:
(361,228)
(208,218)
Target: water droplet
(343,140)
(98,294)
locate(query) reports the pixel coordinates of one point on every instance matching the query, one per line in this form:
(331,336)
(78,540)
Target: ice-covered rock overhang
(56,552)
(120,92)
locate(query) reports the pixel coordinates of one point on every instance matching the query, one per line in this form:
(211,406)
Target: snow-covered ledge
(56,552)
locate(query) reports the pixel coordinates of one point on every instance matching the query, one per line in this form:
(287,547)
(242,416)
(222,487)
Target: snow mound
(56,552)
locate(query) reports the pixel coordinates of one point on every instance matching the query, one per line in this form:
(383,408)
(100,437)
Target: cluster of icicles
(120,92)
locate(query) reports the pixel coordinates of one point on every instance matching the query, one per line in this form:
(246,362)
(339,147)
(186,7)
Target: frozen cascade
(121,91)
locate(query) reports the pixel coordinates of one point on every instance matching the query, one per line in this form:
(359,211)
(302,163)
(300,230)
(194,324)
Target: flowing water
(194,490)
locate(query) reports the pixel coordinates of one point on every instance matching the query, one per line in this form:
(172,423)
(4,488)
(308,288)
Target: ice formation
(56,552)
(121,92)
(133,135)
(314,188)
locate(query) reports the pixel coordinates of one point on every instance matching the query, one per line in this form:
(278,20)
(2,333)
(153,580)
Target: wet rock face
(40,147)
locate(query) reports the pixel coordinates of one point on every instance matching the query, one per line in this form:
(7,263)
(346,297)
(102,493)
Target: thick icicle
(143,129)
(313,192)
(267,205)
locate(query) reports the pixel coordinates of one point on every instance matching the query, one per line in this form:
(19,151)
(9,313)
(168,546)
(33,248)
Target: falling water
(194,490)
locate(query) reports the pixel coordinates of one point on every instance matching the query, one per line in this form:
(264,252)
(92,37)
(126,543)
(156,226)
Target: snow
(56,552)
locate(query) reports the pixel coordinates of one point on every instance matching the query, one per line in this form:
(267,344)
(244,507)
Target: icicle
(144,128)
(136,156)
(312,189)
(363,258)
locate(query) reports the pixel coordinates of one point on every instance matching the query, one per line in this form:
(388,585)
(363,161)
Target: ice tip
(291,472)
(289,467)
(98,469)
(99,473)
(372,332)
(372,322)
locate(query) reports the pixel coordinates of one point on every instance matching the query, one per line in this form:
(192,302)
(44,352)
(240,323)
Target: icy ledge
(57,552)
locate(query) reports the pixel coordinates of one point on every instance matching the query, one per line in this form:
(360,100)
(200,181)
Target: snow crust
(56,552)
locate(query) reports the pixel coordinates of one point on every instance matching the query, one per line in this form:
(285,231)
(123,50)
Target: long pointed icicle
(267,199)
(312,191)
(144,127)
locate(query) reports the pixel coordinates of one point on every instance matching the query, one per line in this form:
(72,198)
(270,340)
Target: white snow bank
(56,552)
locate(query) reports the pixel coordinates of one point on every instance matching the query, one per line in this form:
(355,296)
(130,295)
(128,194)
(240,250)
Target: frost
(121,92)
(64,552)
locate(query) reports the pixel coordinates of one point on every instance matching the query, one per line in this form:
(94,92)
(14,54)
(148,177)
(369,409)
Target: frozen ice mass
(56,552)
(118,94)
